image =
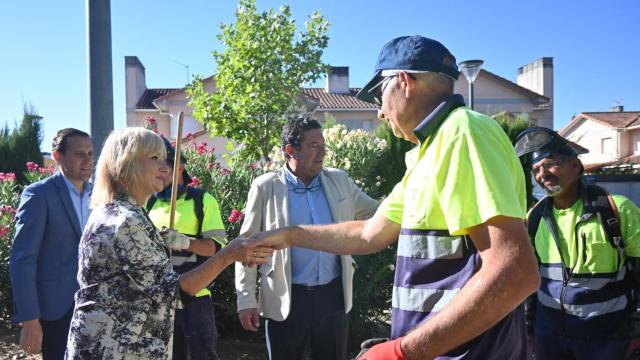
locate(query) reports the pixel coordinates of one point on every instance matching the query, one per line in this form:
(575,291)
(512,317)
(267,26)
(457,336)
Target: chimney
(135,82)
(617,108)
(337,80)
(537,76)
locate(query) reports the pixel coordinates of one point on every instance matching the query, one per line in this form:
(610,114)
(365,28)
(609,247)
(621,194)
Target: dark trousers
(316,315)
(54,336)
(195,334)
(549,345)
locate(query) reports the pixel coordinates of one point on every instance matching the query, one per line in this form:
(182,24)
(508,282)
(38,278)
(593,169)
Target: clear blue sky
(43,47)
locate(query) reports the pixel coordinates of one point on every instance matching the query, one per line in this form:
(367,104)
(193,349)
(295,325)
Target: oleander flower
(8,177)
(195,182)
(150,123)
(31,166)
(235,216)
(4,231)
(201,148)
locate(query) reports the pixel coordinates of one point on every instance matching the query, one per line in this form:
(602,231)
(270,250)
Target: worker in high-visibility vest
(198,217)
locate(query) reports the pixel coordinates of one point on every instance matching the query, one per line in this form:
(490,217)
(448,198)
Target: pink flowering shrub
(228,179)
(9,199)
(36,172)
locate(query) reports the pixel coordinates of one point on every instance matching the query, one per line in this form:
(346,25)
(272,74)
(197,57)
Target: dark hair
(293,131)
(60,140)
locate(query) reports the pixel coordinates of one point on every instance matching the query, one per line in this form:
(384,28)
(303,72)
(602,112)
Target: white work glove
(174,240)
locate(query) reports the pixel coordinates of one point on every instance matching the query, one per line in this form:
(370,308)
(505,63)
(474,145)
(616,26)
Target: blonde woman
(128,290)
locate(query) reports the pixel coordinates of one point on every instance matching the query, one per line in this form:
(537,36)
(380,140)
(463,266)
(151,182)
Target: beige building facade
(336,100)
(612,138)
(163,105)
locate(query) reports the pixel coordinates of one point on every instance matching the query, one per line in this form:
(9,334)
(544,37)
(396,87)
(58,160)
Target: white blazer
(267,209)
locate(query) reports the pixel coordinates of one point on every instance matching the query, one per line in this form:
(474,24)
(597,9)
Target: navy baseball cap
(171,152)
(171,155)
(411,54)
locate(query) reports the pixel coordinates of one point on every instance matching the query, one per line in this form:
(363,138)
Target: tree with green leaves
(259,76)
(21,145)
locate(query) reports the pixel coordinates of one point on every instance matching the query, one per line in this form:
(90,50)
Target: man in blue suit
(44,255)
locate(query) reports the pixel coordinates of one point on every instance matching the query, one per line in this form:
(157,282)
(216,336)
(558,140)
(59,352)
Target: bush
(358,152)
(391,165)
(513,127)
(229,184)
(8,203)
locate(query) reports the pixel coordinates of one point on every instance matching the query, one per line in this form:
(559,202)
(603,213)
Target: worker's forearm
(342,238)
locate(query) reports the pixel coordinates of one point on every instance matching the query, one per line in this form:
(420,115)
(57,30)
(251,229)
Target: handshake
(246,248)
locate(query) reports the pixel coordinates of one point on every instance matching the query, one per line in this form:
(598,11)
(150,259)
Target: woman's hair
(118,168)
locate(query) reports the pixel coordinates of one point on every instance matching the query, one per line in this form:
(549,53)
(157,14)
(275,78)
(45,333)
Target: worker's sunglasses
(377,90)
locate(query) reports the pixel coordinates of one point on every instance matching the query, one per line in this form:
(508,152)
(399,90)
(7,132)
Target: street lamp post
(471,69)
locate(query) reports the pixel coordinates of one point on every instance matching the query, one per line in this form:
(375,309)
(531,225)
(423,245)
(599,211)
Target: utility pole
(100,74)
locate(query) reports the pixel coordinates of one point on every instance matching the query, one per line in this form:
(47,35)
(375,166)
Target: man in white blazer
(304,294)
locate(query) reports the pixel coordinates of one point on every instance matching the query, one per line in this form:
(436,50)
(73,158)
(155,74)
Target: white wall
(491,97)
(136,118)
(592,136)
(630,142)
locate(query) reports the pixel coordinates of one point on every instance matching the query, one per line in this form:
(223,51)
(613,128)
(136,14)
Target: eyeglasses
(377,90)
(547,165)
(303,190)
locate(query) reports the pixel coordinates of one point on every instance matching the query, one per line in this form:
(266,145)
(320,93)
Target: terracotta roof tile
(146,100)
(618,120)
(335,101)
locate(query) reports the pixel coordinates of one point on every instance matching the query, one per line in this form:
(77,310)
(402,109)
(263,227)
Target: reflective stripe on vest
(586,296)
(593,283)
(585,310)
(431,268)
(181,257)
(422,300)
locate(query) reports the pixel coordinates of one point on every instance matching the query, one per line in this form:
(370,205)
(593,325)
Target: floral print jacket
(128,289)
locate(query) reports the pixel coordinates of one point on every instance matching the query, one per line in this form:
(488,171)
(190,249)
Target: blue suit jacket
(44,255)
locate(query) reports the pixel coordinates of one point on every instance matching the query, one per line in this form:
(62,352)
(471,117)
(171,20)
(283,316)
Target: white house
(612,137)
